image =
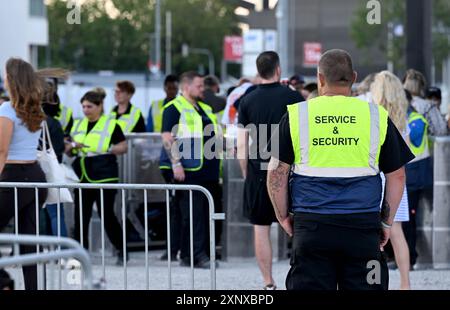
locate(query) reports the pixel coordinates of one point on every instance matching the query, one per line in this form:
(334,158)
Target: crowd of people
(330,203)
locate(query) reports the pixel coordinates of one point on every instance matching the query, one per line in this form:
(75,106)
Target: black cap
(433,92)
(298,78)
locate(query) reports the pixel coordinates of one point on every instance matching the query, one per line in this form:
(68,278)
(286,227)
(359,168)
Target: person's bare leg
(263,251)
(401,252)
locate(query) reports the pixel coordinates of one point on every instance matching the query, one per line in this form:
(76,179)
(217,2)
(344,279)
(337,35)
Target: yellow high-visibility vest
(128,121)
(190,128)
(337,136)
(97,141)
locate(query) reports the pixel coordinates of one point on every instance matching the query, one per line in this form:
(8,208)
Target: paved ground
(235,274)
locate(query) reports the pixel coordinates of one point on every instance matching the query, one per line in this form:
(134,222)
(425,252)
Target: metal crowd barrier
(140,165)
(123,188)
(66,248)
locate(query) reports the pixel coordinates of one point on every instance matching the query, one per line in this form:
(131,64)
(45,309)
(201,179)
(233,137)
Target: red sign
(233,48)
(311,53)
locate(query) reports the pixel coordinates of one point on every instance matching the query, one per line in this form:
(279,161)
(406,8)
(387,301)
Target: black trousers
(200,211)
(330,256)
(112,226)
(175,215)
(26,206)
(410,227)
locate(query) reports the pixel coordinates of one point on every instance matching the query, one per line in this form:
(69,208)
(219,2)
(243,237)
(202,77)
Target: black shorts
(257,205)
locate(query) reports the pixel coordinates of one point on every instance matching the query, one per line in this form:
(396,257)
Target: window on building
(37,8)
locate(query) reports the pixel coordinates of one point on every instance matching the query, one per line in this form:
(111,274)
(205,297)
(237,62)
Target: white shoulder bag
(54,172)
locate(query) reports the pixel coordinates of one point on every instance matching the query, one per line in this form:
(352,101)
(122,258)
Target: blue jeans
(52,210)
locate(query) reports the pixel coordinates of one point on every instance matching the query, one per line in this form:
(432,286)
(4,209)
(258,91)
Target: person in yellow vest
(187,129)
(419,173)
(54,108)
(128,116)
(337,145)
(154,119)
(97,139)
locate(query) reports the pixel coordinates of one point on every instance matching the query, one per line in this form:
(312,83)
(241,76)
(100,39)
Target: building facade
(327,22)
(23,28)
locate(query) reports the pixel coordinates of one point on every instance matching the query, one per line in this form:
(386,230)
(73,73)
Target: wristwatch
(178,164)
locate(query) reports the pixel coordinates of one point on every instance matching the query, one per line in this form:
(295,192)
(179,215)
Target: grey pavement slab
(234,274)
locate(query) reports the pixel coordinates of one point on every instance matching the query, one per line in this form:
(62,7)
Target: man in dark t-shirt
(259,111)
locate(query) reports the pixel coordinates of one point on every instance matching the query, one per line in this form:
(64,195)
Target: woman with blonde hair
(387,91)
(21,121)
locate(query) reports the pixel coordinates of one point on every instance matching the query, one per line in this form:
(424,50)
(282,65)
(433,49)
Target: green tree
(368,36)
(115,34)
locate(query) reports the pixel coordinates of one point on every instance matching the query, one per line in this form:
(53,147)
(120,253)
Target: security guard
(128,116)
(54,108)
(419,175)
(187,129)
(154,119)
(65,117)
(337,146)
(97,140)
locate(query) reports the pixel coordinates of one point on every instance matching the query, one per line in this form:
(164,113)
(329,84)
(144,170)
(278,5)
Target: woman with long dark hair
(21,121)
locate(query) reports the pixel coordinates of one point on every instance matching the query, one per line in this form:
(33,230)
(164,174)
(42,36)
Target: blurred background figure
(3,95)
(419,173)
(308,89)
(415,83)
(57,139)
(363,89)
(54,108)
(210,94)
(128,116)
(433,94)
(229,117)
(154,119)
(297,81)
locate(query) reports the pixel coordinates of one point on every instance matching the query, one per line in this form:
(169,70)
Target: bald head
(336,68)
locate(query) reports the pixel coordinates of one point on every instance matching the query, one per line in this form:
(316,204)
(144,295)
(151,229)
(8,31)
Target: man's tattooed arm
(171,147)
(277,185)
(385,211)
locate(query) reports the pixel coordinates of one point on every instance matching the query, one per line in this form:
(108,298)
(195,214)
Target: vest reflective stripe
(364,157)
(157,111)
(375,145)
(86,176)
(97,139)
(128,121)
(422,151)
(64,116)
(190,126)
